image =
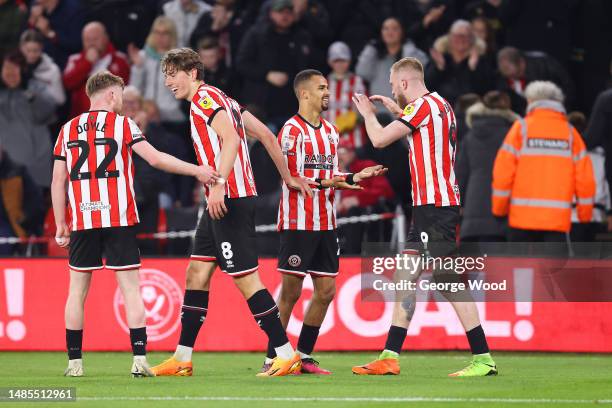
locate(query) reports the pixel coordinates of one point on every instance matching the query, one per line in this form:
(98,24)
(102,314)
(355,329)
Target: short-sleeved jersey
(206,103)
(96,147)
(341,92)
(432,150)
(309,152)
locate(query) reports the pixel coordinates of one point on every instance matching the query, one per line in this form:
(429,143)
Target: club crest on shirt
(288,142)
(408,109)
(206,103)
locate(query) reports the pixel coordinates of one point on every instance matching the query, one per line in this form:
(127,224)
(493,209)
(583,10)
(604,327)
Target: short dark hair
(182,59)
(512,54)
(496,100)
(16,57)
(102,80)
(208,43)
(304,76)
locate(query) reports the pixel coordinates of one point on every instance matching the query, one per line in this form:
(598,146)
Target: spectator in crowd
(587,231)
(60,22)
(146,74)
(148,181)
(374,198)
(185,14)
(24,113)
(540,167)
(484,34)
(228,21)
(343,84)
(376,58)
(599,134)
(462,104)
(127,21)
(12,21)
(489,10)
(543,25)
(98,54)
(457,65)
(270,55)
(215,71)
(432,20)
(21,203)
(518,69)
(40,67)
(313,17)
(488,121)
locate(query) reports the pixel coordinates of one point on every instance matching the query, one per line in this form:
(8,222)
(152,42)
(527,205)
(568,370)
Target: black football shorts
(230,241)
(309,252)
(117,244)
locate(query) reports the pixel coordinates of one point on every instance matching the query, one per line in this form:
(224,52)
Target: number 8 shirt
(96,147)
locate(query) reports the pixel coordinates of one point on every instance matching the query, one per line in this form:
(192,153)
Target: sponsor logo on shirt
(408,109)
(206,103)
(94,206)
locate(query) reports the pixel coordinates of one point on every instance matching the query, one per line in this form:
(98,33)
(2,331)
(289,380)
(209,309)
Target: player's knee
(289,295)
(197,277)
(326,294)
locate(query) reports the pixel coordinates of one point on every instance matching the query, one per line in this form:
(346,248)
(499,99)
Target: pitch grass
(527,379)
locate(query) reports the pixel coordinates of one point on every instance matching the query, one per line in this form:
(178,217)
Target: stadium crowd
(479,54)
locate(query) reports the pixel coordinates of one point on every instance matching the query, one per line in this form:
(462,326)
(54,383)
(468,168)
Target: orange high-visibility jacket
(539,168)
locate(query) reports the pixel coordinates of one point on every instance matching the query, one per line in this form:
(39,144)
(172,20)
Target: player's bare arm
(389,104)
(351,181)
(231,141)
(380,136)
(255,128)
(58,197)
(163,161)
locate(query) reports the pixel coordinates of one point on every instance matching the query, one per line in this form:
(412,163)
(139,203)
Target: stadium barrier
(33,291)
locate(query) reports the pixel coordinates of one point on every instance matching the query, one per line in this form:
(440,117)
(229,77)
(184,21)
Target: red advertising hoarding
(33,292)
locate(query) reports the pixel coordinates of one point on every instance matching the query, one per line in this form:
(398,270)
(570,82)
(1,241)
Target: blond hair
(164,23)
(101,81)
(408,64)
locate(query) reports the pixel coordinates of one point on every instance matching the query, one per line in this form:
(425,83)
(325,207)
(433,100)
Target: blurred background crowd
(478,54)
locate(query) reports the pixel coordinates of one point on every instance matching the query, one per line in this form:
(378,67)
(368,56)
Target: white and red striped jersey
(309,151)
(206,103)
(96,147)
(341,92)
(432,150)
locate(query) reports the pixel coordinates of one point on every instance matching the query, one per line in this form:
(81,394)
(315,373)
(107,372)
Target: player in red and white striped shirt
(308,243)
(93,154)
(428,122)
(225,234)
(343,84)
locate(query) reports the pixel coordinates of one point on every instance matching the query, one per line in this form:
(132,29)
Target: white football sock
(183,353)
(268,360)
(285,351)
(304,355)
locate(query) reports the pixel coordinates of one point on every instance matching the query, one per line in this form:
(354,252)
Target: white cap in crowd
(338,51)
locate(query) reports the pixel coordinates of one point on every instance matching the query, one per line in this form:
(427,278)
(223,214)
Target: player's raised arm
(58,198)
(380,136)
(255,128)
(163,161)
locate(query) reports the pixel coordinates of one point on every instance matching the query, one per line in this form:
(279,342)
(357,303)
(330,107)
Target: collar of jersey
(310,124)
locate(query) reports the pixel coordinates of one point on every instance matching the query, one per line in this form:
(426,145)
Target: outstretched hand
(388,103)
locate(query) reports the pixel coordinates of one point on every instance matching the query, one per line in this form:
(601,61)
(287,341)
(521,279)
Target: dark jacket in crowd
(12,23)
(21,203)
(459,79)
(264,50)
(474,167)
(544,25)
(127,21)
(599,130)
(67,20)
(540,67)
